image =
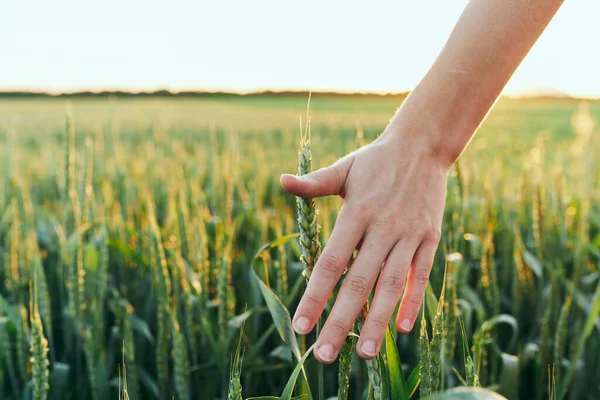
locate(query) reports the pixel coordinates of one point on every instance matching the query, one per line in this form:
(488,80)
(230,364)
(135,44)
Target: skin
(394,189)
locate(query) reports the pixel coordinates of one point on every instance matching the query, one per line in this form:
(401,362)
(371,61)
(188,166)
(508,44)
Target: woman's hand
(394,191)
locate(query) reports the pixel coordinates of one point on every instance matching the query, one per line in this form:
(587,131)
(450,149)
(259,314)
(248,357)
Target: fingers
(389,289)
(323,182)
(331,264)
(351,297)
(418,277)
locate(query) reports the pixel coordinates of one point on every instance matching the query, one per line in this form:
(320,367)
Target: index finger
(346,234)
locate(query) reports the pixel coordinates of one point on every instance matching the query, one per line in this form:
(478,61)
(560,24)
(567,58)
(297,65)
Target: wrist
(443,116)
(413,137)
(419,133)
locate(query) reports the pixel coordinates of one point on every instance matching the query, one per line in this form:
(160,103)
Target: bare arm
(394,189)
(485,48)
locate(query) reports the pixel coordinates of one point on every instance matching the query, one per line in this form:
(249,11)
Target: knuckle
(386,224)
(330,265)
(360,210)
(313,301)
(410,228)
(422,277)
(414,302)
(393,283)
(356,286)
(379,322)
(339,328)
(433,233)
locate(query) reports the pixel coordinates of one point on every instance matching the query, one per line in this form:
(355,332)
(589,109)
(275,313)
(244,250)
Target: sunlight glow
(385,46)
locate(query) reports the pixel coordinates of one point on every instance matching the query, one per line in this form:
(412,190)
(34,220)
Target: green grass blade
(289,387)
(431,301)
(594,313)
(275,243)
(281,316)
(385,384)
(502,319)
(532,262)
(587,331)
(397,383)
(413,380)
(509,376)
(283,322)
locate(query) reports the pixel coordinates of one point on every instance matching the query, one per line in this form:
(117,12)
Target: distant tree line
(203,94)
(167,93)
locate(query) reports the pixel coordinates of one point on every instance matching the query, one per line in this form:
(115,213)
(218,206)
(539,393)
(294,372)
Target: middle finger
(352,296)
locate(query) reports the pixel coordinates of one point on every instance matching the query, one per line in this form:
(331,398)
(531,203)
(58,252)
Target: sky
(382,46)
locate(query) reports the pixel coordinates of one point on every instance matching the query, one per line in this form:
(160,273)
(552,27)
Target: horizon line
(274,92)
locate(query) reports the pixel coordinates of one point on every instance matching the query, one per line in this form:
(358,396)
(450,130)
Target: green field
(130,229)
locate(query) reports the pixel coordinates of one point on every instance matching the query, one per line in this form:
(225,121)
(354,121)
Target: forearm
(486,46)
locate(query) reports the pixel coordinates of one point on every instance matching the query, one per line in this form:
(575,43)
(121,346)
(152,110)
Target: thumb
(323,182)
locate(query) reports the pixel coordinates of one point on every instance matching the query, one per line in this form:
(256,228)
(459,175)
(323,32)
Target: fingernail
(327,353)
(302,325)
(369,348)
(405,325)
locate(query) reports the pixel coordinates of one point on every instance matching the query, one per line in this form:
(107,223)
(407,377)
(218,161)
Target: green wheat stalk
(21,345)
(38,346)
(345,364)
(489,280)
(451,310)
(426,385)
(560,337)
(91,357)
(102,275)
(235,371)
(544,355)
(14,246)
(40,289)
(133,385)
(310,245)
(163,287)
(87,174)
(180,362)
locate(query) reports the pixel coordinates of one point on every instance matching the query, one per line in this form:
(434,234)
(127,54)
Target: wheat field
(148,252)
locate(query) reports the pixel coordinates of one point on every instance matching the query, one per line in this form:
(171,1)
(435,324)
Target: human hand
(394,191)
